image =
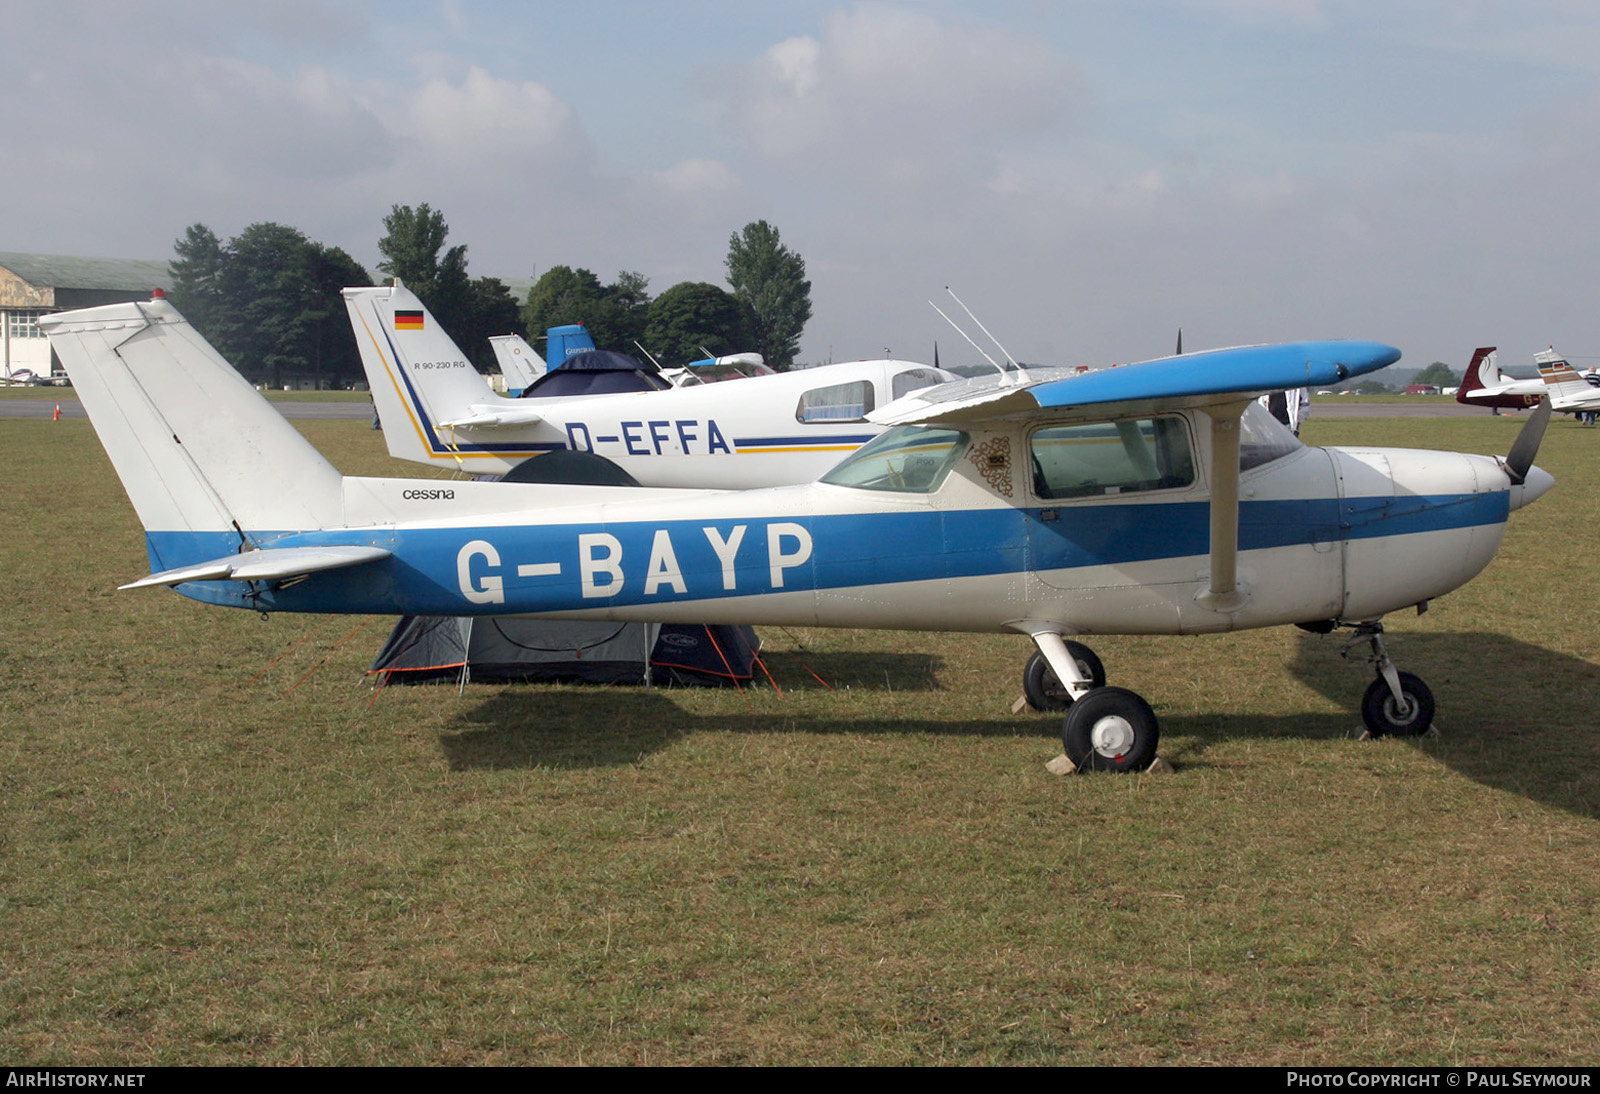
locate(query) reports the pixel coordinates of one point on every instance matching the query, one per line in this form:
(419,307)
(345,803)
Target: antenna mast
(964,334)
(647,353)
(1010,360)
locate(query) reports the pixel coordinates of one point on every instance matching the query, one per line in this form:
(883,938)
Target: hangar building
(34,285)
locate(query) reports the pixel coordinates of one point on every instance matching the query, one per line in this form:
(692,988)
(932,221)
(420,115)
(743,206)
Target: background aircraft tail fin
(199,451)
(1481,372)
(519,362)
(1560,378)
(418,375)
(563,342)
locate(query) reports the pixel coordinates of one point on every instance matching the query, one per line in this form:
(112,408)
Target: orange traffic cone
(56,417)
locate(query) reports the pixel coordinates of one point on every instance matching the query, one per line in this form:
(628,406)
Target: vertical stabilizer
(519,362)
(197,448)
(1482,372)
(1562,382)
(566,341)
(418,375)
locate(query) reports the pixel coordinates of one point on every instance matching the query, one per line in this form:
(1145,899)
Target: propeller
(1180,343)
(1526,446)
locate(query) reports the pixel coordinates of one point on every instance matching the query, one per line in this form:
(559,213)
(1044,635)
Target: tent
(428,648)
(597,372)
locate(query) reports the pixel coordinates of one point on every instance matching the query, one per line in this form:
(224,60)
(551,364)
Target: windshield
(910,459)
(1262,438)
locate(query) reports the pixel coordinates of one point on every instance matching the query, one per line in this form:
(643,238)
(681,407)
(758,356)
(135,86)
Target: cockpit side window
(910,459)
(1094,459)
(849,402)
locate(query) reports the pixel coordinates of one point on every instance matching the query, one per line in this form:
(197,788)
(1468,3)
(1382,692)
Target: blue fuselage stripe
(663,561)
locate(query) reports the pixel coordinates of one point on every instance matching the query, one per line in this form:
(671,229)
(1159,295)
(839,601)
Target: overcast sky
(1088,176)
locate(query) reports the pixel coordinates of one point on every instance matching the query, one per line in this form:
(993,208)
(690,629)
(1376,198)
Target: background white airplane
(758,431)
(1569,390)
(519,362)
(1151,499)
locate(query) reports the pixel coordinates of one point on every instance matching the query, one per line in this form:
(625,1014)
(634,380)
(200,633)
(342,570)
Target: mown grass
(66,393)
(200,864)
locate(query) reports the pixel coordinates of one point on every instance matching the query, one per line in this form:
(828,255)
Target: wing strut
(1223,593)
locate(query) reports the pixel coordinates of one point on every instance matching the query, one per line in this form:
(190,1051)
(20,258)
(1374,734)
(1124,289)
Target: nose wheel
(1410,715)
(1396,704)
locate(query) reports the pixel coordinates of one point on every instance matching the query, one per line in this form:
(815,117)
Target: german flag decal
(407,320)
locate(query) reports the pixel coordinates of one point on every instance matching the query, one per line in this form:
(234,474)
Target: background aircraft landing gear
(1396,704)
(1044,691)
(1111,729)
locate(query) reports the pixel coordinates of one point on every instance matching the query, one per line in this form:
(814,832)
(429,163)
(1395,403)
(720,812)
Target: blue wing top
(1194,379)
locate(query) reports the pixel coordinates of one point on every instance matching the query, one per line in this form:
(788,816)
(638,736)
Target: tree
(690,316)
(770,283)
(615,314)
(1438,374)
(630,300)
(489,309)
(562,295)
(264,329)
(330,348)
(268,301)
(411,246)
(469,310)
(197,277)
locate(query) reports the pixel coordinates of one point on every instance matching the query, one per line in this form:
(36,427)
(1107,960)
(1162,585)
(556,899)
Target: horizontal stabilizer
(265,565)
(490,417)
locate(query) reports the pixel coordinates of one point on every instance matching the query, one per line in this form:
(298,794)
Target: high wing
(1213,378)
(1221,383)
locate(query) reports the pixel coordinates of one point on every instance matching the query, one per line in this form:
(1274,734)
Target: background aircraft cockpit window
(836,403)
(1099,458)
(1262,438)
(911,459)
(913,379)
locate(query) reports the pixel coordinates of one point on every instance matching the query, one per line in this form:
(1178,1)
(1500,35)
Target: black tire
(1111,729)
(1382,713)
(1044,691)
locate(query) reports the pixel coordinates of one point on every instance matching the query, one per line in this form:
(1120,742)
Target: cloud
(1301,11)
(483,122)
(899,96)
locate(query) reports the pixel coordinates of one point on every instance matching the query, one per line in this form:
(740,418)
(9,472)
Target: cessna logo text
(428,495)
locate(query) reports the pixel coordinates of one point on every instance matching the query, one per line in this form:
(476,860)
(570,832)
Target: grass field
(218,845)
(62,394)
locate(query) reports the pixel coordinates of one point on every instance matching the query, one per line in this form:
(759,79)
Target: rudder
(198,450)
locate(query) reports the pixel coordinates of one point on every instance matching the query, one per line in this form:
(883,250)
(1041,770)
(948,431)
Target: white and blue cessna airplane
(1154,498)
(769,430)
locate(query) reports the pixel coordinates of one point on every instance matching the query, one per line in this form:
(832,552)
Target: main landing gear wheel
(1387,718)
(1044,691)
(1111,729)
